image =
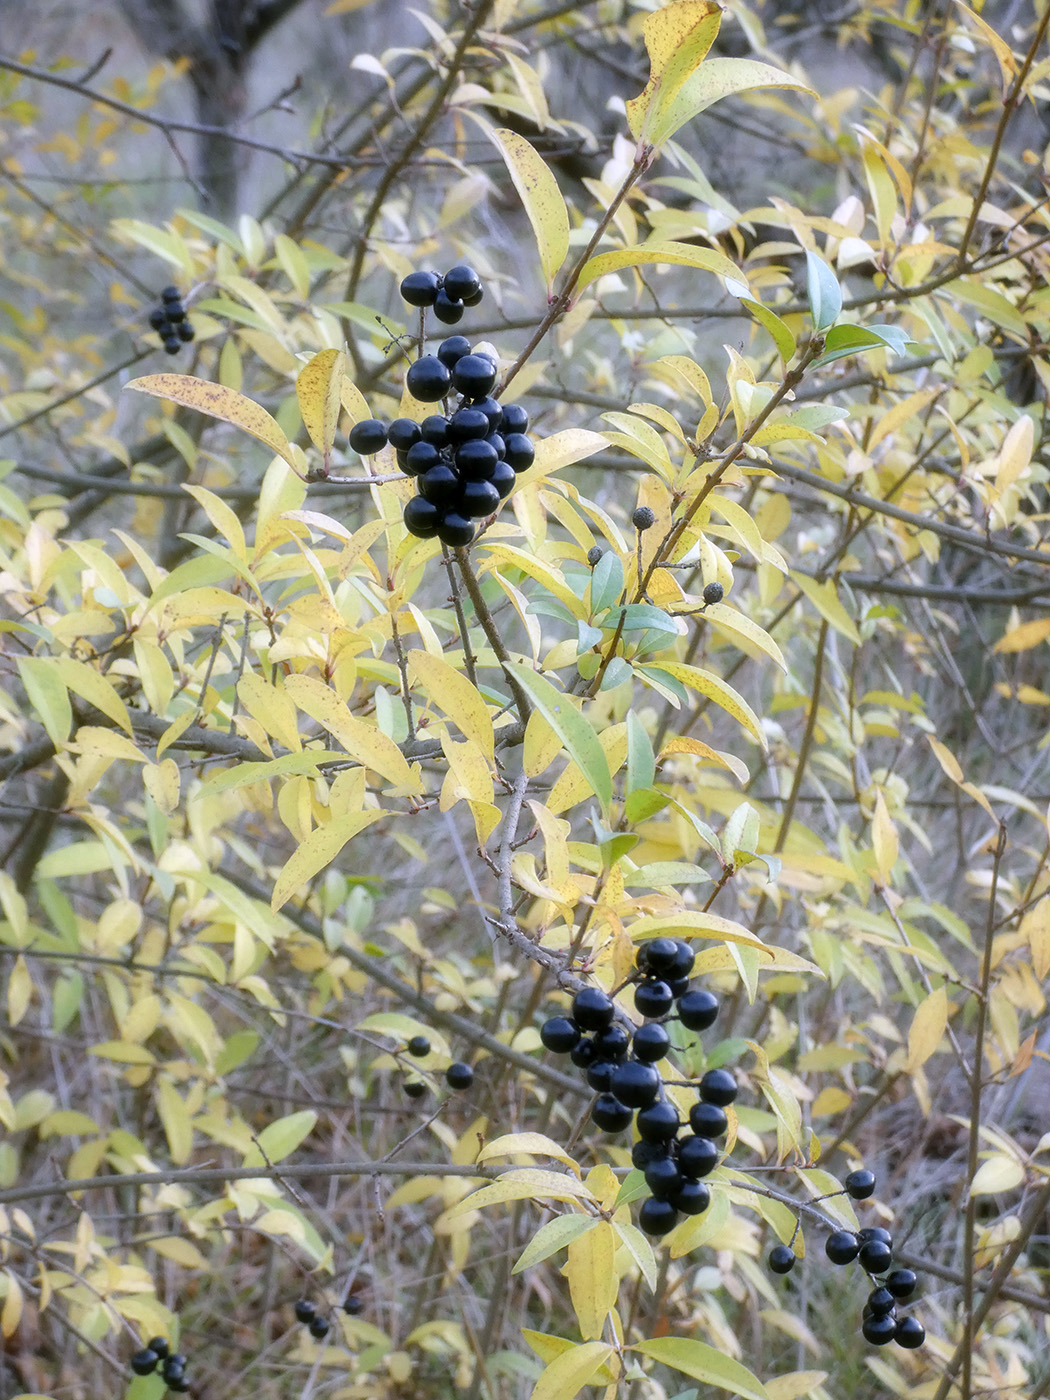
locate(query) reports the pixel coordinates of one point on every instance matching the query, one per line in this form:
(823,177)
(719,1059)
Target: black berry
(175,1364)
(875,1256)
(613,1043)
(461,282)
(175,311)
(468,423)
(663,1177)
(420,457)
(691,1198)
(158,319)
(879,1330)
(186,332)
(178,1383)
(880,1302)
(144,1362)
(513,419)
(714,593)
(353,1305)
(651,1043)
(658,1123)
(698,1010)
(368,437)
(453,349)
(559,1035)
(421,518)
(860,1184)
(172,344)
(520,452)
(781,1259)
(159,1345)
(909,1332)
(428,379)
(718,1086)
(319,1327)
(420,288)
(697,1156)
(418,1046)
(440,484)
(459,1075)
(414,1088)
(475,376)
(583,1052)
(446,310)
(708,1119)
(502,477)
(643,518)
(636,1084)
(594,554)
(600,1075)
(657,957)
(610,1114)
(455,530)
(657,1217)
(403,433)
(171,294)
(476,459)
(642,1153)
(875,1232)
(653,999)
(901,1283)
(842,1247)
(304,1310)
(684,959)
(434,429)
(592,1010)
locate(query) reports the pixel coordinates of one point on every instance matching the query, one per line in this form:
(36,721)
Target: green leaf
(644,802)
(782,337)
(47,694)
(843,341)
(641,762)
(825,294)
(557,1234)
(704,1363)
(606,582)
(571,728)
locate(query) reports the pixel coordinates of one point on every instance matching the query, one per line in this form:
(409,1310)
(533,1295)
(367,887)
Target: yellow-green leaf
(569,1373)
(712,81)
(677,39)
(362,741)
(693,924)
(535,1144)
(47,693)
(219,402)
(593,1284)
(524,1184)
(319,389)
(825,599)
(884,839)
(452,692)
(717,691)
(574,731)
(704,1363)
(541,197)
(684,254)
(557,1234)
(1000,1173)
(927,1028)
(280,1139)
(318,850)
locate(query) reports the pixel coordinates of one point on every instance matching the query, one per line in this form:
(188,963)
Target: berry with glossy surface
(781,1259)
(418,1046)
(160,1346)
(491,409)
(414,1088)
(455,530)
(657,957)
(594,554)
(583,1052)
(636,1084)
(691,1198)
(476,459)
(902,1283)
(446,310)
(403,433)
(642,1153)
(718,1086)
(600,1075)
(613,1043)
(875,1232)
(610,1114)
(353,1305)
(462,282)
(320,1327)
(513,419)
(422,518)
(650,1043)
(158,319)
(466,424)
(592,1009)
(880,1302)
(684,959)
(434,429)
(909,1332)
(420,288)
(663,1177)
(304,1310)
(708,1119)
(879,1330)
(520,452)
(644,518)
(144,1362)
(497,443)
(559,1035)
(175,1364)
(368,437)
(475,376)
(860,1184)
(503,478)
(479,498)
(875,1256)
(459,1075)
(697,1010)
(440,485)
(428,379)
(657,1217)
(697,1156)
(453,349)
(842,1247)
(653,998)
(659,1123)
(420,457)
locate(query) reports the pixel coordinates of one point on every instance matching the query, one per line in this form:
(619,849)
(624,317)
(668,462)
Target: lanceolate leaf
(542,200)
(707,259)
(677,39)
(705,1364)
(713,80)
(319,389)
(574,731)
(219,402)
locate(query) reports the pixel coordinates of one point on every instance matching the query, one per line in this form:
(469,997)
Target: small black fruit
(663,1177)
(461,282)
(421,518)
(353,1305)
(636,1084)
(875,1256)
(697,1156)
(459,1075)
(642,1153)
(475,376)
(446,310)
(368,437)
(909,1332)
(718,1086)
(875,1232)
(420,457)
(714,593)
(455,530)
(880,1302)
(453,349)
(172,344)
(657,957)
(440,484)
(171,294)
(600,1075)
(418,1046)
(414,1088)
(860,1184)
(468,423)
(186,332)
(520,452)
(144,1362)
(583,1052)
(653,998)
(159,1345)
(559,1035)
(613,1043)
(319,1327)
(403,433)
(476,459)
(781,1259)
(304,1310)
(434,429)
(514,419)
(879,1330)
(698,1010)
(651,1043)
(901,1283)
(420,288)
(842,1247)
(691,1198)
(502,477)
(158,319)
(708,1119)
(610,1114)
(657,1217)
(658,1123)
(594,554)
(428,379)
(643,518)
(592,1009)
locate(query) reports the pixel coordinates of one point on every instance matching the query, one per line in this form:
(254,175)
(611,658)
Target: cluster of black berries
(446,296)
(622,1068)
(459,1074)
(170,322)
(873,1249)
(306,1313)
(172,1363)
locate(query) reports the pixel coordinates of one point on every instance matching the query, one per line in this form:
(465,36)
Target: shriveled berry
(718,1086)
(650,1043)
(594,554)
(320,1327)
(144,1362)
(653,998)
(875,1256)
(636,1084)
(781,1259)
(663,1177)
(644,518)
(659,1123)
(713,593)
(422,518)
(420,288)
(559,1034)
(520,451)
(428,379)
(697,1156)
(459,1075)
(879,1330)
(403,433)
(592,1009)
(909,1332)
(860,1184)
(902,1283)
(455,530)
(708,1119)
(462,282)
(453,349)
(657,1217)
(842,1247)
(419,1046)
(698,1010)
(368,437)
(304,1310)
(610,1114)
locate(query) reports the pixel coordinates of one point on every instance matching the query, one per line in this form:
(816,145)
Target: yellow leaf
(716,690)
(1015,453)
(1025,636)
(884,839)
(999,1173)
(541,197)
(365,743)
(318,850)
(175,1120)
(693,924)
(535,1144)
(561,450)
(219,402)
(11,1314)
(927,1028)
(523,1184)
(677,39)
(944,756)
(593,1283)
(569,1373)
(683,254)
(683,743)
(19,991)
(825,599)
(319,390)
(161,781)
(747,635)
(452,692)
(794,1384)
(181,1251)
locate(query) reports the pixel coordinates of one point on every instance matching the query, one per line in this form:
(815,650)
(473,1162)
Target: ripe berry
(559,1034)
(659,1123)
(610,1114)
(685,958)
(476,459)
(453,349)
(144,1362)
(642,1153)
(304,1310)
(651,1043)
(172,344)
(440,484)
(497,443)
(875,1256)
(368,437)
(455,530)
(653,999)
(657,1217)
(446,310)
(513,419)
(502,477)
(428,379)
(643,518)
(178,1383)
(657,957)
(697,1157)
(459,1075)
(879,1330)
(860,1184)
(353,1305)
(159,1345)
(708,1120)
(592,1010)
(613,1043)
(691,1198)
(663,1177)
(520,452)
(714,593)
(490,407)
(403,433)
(679,986)
(414,1088)
(880,1302)
(475,376)
(842,1247)
(174,1365)
(171,294)
(583,1052)
(158,319)
(421,518)
(781,1259)
(420,288)
(698,1010)
(476,299)
(176,312)
(467,424)
(594,554)
(909,1332)
(418,1046)
(434,429)
(420,457)
(186,332)
(462,282)
(636,1084)
(901,1283)
(718,1086)
(875,1232)
(600,1075)
(319,1327)
(479,498)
